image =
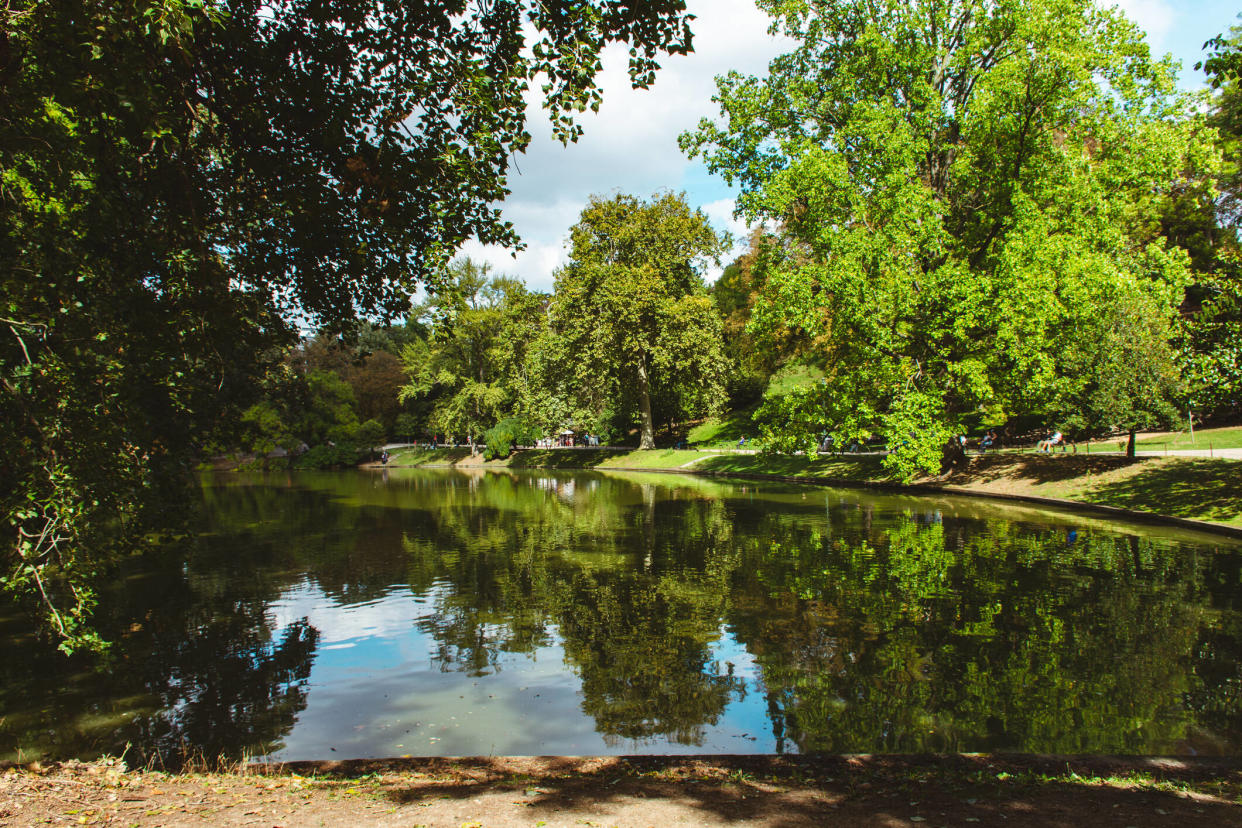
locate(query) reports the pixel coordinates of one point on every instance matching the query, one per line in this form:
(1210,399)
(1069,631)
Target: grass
(1230,437)
(426,457)
(792,377)
(578,458)
(1187,487)
(724,432)
(1196,488)
(865,468)
(1180,486)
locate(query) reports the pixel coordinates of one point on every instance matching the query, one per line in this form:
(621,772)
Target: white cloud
(630,145)
(388,617)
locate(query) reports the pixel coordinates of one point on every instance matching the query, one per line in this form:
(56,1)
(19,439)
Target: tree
(330,411)
(407,426)
(753,354)
(962,187)
(506,435)
(1122,373)
(466,362)
(376,379)
(630,312)
(1212,347)
(371,434)
(182,177)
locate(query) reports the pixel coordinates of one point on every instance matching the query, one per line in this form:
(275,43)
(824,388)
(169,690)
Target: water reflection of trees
(897,641)
(872,629)
(197,670)
(636,610)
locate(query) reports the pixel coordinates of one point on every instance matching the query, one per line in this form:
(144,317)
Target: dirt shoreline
(770,791)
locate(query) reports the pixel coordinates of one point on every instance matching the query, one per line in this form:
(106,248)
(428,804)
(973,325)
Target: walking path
(1220,453)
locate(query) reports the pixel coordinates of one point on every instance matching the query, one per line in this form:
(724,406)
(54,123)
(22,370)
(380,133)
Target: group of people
(1056,438)
(992,440)
(568,441)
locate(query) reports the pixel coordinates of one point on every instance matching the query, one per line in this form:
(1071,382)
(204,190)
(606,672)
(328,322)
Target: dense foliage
(182,178)
(631,316)
(468,364)
(965,190)
(975,214)
(508,434)
(1213,343)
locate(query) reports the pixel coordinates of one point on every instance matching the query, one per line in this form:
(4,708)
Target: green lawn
(1189,487)
(425,457)
(1185,487)
(725,431)
(862,468)
(1230,437)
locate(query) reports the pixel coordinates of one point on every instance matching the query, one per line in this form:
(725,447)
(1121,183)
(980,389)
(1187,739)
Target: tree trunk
(647,438)
(1130,445)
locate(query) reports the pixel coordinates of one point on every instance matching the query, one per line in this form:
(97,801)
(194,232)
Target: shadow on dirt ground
(767,791)
(784,792)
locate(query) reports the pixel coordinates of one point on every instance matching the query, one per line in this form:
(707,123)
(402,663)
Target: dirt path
(649,791)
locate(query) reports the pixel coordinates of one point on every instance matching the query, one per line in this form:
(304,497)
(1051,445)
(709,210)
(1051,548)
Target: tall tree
(630,310)
(964,184)
(754,353)
(181,176)
(467,363)
(1121,371)
(1213,342)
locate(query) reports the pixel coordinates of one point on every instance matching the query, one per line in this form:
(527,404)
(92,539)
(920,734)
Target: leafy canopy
(963,186)
(469,363)
(631,317)
(181,178)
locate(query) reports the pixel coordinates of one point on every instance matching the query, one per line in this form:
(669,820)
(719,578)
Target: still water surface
(437,612)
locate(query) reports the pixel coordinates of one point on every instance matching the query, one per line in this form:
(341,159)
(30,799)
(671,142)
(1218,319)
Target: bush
(371,434)
(328,457)
(502,437)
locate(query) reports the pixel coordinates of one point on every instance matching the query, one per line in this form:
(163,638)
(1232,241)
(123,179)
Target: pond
(444,612)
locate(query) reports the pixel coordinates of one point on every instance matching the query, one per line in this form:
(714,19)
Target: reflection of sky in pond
(427,612)
(378,689)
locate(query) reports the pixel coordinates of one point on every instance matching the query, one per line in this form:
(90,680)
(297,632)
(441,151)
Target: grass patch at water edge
(1195,488)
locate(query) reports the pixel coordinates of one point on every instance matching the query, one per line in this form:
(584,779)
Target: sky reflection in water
(449,613)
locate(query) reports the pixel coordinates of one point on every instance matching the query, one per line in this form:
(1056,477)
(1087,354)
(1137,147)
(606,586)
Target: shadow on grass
(822,790)
(1037,468)
(859,468)
(584,458)
(724,431)
(428,457)
(1191,488)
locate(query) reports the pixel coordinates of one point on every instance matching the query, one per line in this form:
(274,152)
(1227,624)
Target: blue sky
(631,144)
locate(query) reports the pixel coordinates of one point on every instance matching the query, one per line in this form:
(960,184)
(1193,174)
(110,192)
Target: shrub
(327,457)
(502,437)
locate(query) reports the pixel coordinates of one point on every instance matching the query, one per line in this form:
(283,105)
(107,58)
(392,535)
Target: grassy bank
(1195,488)
(1202,440)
